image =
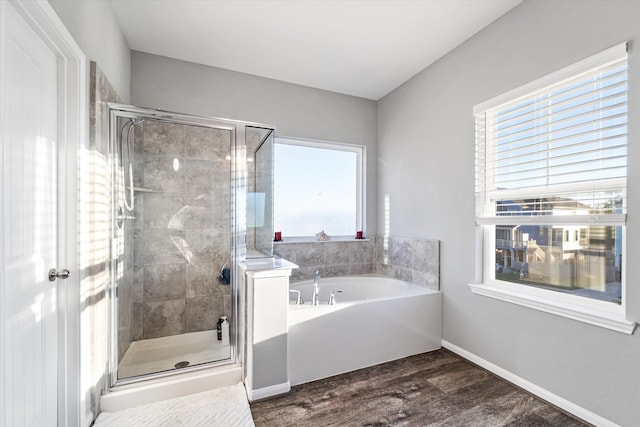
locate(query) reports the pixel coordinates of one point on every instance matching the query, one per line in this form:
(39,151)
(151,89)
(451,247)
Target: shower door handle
(58,274)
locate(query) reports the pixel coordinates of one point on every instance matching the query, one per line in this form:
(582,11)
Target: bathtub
(376,319)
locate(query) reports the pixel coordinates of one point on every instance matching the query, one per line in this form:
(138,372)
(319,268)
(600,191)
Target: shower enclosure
(259,192)
(183,214)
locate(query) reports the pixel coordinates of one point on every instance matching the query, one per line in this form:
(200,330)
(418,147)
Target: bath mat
(227,406)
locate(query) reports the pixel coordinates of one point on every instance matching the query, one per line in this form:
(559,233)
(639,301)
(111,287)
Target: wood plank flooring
(432,389)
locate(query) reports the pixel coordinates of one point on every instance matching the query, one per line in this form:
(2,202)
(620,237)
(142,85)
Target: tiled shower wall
(409,259)
(182,230)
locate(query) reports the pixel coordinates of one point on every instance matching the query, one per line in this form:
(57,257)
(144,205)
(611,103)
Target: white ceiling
(364,48)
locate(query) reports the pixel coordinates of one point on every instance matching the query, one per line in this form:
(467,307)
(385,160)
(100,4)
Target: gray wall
(94,27)
(295,111)
(426,168)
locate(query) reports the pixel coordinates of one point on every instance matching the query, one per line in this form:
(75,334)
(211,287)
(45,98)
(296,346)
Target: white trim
(264,392)
(588,310)
(591,312)
(532,388)
(612,54)
(326,145)
(72,132)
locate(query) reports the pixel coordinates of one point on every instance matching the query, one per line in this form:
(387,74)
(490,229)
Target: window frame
(360,152)
(592,311)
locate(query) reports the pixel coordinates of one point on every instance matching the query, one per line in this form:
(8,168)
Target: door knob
(58,274)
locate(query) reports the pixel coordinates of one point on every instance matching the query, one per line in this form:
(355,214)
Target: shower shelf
(146,190)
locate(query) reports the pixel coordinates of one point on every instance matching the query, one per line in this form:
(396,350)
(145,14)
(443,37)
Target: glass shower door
(172,240)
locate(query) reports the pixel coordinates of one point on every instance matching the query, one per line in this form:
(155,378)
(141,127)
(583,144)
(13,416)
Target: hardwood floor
(431,389)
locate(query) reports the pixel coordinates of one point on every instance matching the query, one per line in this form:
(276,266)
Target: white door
(28,120)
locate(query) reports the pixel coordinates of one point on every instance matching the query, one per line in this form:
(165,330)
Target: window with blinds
(551,177)
(558,150)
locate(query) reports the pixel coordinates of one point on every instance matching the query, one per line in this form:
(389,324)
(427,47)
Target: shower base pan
(171,353)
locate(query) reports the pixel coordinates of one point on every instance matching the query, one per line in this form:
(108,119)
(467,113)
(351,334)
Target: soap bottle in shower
(223,330)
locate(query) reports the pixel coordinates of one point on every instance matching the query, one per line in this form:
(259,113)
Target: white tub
(376,319)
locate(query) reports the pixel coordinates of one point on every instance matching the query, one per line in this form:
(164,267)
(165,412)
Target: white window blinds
(555,150)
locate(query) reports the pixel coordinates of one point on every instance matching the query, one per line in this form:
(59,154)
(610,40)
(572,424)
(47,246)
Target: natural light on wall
(551,176)
(93,258)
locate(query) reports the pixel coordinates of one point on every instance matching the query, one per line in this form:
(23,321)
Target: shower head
(125,151)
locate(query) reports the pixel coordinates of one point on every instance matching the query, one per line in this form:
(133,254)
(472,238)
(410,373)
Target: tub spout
(316,288)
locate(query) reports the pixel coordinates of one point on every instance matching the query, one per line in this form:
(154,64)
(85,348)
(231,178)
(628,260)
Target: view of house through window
(317,186)
(551,182)
(572,258)
(581,260)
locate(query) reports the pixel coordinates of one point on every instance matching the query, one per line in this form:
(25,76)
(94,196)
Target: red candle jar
(359,235)
(278,236)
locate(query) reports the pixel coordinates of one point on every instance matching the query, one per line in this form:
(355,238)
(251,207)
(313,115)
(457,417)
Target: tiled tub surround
(331,258)
(409,259)
(182,228)
(412,260)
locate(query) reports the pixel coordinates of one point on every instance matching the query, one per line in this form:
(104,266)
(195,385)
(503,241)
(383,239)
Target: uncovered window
(318,186)
(551,179)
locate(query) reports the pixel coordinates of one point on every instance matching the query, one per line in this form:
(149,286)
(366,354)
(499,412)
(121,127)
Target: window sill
(577,312)
(311,239)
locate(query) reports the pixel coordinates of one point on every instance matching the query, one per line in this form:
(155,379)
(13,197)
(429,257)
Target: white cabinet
(267,298)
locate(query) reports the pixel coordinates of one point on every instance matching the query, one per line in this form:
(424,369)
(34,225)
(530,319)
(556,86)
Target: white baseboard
(264,392)
(542,393)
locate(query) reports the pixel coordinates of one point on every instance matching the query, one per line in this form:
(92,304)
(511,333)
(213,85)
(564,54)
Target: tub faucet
(332,296)
(298,296)
(316,286)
